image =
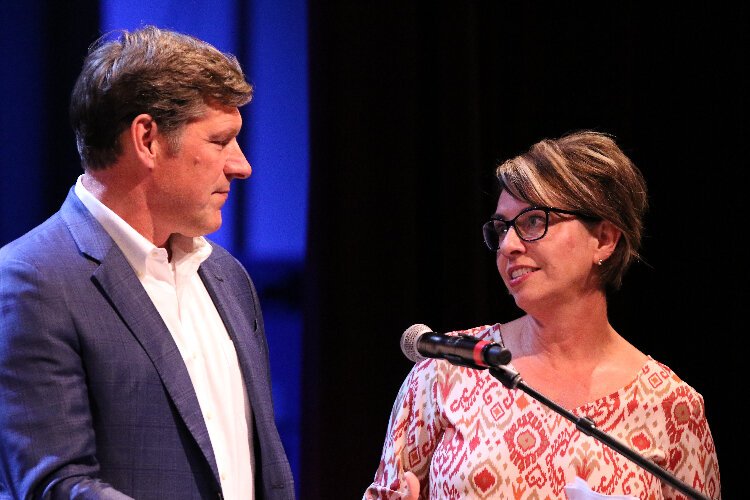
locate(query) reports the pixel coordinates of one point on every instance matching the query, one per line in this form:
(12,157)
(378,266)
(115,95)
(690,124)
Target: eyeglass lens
(529,225)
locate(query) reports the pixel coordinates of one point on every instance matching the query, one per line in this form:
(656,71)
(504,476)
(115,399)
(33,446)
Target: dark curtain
(43,44)
(412,105)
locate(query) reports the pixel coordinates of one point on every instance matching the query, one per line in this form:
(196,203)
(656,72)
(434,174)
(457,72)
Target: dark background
(411,106)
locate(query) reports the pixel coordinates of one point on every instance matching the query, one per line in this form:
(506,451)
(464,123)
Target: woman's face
(555,269)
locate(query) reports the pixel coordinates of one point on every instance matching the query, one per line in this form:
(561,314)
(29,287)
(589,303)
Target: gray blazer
(95,400)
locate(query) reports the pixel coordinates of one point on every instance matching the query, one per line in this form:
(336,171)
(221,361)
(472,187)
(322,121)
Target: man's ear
(143,132)
(607,235)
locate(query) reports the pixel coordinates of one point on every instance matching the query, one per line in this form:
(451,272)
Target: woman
(567,226)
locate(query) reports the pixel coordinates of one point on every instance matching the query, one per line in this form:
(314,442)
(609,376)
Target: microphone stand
(512,380)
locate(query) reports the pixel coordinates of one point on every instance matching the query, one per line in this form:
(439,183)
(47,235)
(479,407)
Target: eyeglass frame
(512,222)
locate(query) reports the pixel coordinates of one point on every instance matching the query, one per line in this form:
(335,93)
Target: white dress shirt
(183,302)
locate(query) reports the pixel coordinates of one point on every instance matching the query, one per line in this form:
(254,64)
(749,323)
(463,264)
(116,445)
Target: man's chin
(211,229)
(204,228)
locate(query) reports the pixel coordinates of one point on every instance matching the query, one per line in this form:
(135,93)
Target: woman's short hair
(584,171)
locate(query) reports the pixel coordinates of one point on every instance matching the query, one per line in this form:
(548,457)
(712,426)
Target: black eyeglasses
(530,224)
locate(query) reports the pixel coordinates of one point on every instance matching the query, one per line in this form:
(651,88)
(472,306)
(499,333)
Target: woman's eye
(535,221)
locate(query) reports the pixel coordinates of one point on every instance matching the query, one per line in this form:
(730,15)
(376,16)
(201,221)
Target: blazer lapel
(244,327)
(119,283)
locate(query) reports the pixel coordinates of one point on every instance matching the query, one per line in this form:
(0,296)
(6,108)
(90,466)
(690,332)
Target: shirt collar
(187,252)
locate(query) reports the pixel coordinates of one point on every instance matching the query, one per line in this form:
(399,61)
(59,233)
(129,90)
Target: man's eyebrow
(228,133)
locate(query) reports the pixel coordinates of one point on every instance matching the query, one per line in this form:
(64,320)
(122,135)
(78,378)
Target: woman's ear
(607,236)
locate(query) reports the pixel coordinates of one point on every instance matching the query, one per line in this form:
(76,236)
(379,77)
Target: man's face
(193,182)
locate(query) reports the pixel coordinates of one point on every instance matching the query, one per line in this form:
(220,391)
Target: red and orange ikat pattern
(476,439)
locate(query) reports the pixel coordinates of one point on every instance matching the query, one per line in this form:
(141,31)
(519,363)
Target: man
(133,359)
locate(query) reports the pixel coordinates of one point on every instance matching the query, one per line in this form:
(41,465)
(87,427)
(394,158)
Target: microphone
(419,342)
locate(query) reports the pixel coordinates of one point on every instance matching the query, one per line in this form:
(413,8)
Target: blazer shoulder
(35,245)
(70,231)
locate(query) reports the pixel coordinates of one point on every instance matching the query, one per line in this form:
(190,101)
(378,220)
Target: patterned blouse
(474,438)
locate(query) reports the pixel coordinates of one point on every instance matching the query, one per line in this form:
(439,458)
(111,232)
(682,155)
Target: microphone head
(409,341)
